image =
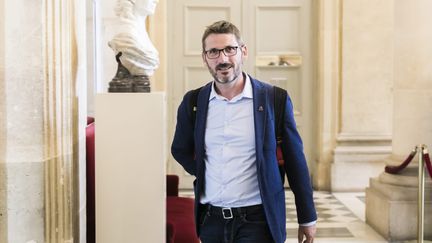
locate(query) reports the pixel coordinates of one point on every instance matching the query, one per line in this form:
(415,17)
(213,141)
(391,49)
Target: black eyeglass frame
(224,51)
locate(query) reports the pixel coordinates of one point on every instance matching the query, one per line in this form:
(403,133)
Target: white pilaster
(364,137)
(328,56)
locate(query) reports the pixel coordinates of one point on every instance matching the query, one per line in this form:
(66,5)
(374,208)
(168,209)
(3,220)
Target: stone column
(391,200)
(22,155)
(41,129)
(364,136)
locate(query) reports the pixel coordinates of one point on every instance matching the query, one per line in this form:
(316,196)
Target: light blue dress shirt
(231,171)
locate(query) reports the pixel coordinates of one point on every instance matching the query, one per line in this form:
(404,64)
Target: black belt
(229,213)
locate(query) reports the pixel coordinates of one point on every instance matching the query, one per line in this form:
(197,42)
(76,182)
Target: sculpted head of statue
(131,9)
(145,7)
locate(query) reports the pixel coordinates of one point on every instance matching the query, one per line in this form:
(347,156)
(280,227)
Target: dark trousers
(234,225)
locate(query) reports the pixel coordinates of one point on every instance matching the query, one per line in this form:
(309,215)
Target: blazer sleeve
(296,167)
(183,145)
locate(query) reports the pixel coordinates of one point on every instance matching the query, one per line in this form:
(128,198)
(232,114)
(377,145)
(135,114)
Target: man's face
(224,68)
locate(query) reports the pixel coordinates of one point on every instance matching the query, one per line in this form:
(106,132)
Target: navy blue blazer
(188,149)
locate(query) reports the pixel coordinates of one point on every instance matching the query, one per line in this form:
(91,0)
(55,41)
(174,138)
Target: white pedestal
(130,167)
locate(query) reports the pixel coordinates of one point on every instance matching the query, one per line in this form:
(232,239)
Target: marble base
(354,165)
(391,209)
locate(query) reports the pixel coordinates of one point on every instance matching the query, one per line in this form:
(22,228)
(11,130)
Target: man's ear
(204,59)
(244,52)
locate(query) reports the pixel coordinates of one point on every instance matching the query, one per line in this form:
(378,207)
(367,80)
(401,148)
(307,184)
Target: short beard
(221,81)
(225,81)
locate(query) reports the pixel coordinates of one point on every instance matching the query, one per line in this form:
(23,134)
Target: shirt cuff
(308,224)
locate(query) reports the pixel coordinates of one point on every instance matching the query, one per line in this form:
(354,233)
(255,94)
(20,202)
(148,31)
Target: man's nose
(222,57)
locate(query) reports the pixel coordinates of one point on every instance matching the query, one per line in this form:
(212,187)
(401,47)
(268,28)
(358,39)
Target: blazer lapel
(260,118)
(200,125)
(201,117)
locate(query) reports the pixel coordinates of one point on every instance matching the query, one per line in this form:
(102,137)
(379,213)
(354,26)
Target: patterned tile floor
(340,218)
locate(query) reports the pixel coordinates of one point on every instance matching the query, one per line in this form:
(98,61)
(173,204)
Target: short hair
(221,27)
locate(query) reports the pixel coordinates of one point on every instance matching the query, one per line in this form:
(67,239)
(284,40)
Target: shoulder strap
(193,104)
(280,96)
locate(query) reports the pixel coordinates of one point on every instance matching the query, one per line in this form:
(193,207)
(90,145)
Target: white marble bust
(139,55)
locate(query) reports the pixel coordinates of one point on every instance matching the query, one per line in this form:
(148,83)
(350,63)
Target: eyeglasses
(215,53)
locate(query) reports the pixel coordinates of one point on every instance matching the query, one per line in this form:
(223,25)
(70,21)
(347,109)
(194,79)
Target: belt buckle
(227,213)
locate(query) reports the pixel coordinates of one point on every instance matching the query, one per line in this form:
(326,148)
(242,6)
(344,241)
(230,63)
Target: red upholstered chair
(172,185)
(90,177)
(180,215)
(170,232)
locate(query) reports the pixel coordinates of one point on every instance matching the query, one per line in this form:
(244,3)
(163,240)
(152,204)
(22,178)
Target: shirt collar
(246,93)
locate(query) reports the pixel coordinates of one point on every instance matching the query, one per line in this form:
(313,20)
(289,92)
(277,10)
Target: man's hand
(308,231)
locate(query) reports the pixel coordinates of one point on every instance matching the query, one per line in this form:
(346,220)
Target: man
(231,150)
